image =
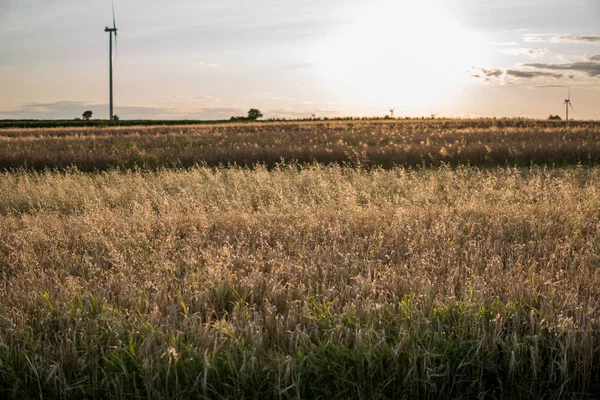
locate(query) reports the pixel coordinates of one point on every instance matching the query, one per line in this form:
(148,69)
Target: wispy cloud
(206,99)
(547,86)
(585,39)
(520,51)
(179,99)
(530,71)
(540,37)
(488,75)
(558,38)
(531,74)
(209,65)
(589,68)
(496,44)
(511,76)
(74,109)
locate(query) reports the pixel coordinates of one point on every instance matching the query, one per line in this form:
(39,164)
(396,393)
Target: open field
(300,282)
(102,123)
(485,142)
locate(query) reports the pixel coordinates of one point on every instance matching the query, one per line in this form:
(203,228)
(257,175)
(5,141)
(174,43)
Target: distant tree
(87,115)
(115,117)
(554,117)
(254,114)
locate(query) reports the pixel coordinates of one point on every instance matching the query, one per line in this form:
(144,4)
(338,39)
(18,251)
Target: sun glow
(403,53)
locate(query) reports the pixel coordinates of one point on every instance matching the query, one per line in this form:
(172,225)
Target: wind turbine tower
(392,112)
(568,103)
(111,31)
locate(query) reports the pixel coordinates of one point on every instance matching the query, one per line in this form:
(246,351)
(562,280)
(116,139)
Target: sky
(199,59)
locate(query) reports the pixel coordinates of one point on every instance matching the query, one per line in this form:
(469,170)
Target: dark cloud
(492,72)
(594,58)
(508,76)
(531,74)
(588,67)
(487,74)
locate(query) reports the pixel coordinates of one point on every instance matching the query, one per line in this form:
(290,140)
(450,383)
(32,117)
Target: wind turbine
(568,103)
(110,34)
(392,112)
(433,115)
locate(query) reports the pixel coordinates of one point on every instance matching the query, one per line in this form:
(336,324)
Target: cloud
(589,68)
(74,109)
(519,51)
(503,43)
(487,74)
(585,39)
(206,99)
(531,74)
(178,99)
(547,86)
(540,37)
(511,76)
(558,38)
(208,65)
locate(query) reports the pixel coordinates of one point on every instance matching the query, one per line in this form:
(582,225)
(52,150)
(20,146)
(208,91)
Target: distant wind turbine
(433,115)
(392,112)
(110,34)
(568,103)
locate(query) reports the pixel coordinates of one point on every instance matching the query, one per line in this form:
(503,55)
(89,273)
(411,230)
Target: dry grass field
(486,142)
(297,281)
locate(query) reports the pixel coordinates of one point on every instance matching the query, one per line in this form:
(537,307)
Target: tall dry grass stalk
(300,282)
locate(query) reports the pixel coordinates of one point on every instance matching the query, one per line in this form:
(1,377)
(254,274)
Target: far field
(368,143)
(441,259)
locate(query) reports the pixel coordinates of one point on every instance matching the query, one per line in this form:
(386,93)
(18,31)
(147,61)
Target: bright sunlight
(402,53)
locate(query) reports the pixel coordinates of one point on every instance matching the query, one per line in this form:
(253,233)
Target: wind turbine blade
(569,93)
(115,27)
(113,12)
(571,105)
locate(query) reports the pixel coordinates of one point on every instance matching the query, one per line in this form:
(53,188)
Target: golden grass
(379,143)
(300,282)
